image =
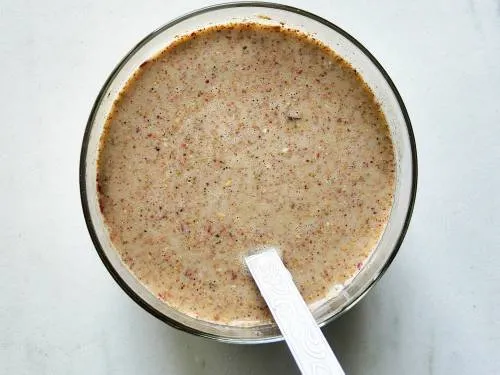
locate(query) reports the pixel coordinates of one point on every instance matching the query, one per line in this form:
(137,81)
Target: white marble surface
(437,310)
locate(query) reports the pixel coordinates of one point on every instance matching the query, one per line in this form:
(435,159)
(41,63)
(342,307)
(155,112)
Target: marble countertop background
(437,309)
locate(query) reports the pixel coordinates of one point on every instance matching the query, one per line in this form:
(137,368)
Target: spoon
(303,336)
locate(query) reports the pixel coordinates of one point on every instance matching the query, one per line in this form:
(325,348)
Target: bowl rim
(83,170)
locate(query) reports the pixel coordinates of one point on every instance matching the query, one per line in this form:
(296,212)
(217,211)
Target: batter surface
(238,137)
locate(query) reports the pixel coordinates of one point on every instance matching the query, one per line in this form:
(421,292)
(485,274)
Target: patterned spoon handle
(304,338)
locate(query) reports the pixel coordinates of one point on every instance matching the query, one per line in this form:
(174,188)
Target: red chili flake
(359,265)
(233,275)
(150,135)
(317,154)
(207,81)
(300,71)
(183,145)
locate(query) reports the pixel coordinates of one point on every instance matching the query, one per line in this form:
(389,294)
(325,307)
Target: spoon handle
(303,336)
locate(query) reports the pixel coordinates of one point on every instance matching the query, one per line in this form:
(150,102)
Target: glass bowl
(344,45)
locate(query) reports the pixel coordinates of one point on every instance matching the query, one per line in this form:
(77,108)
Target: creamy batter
(239,137)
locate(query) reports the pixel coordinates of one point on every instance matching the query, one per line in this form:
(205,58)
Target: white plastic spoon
(304,338)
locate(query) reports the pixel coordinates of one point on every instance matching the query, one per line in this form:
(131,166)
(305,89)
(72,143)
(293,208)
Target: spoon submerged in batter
(303,336)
